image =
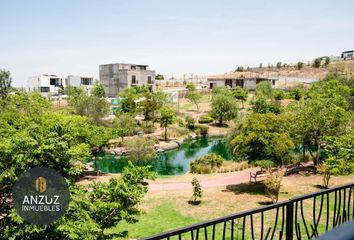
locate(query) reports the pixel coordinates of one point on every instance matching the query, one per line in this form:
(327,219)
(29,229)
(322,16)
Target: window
(86,81)
(149,80)
(273,82)
(228,82)
(55,81)
(44,89)
(239,82)
(134,79)
(133,67)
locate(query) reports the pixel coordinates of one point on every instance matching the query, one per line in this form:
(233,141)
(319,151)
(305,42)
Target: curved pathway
(236,178)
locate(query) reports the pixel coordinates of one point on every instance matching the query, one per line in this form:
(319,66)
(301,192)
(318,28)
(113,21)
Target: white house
(79,81)
(46,84)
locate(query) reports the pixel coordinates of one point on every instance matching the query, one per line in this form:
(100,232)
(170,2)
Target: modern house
(46,84)
(118,76)
(79,81)
(347,55)
(247,80)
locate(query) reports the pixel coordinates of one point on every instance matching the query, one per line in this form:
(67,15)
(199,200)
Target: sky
(73,37)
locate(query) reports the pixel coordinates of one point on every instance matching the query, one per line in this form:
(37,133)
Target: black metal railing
(303,217)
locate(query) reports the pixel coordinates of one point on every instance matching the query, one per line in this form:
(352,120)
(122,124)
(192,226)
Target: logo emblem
(41,195)
(41,184)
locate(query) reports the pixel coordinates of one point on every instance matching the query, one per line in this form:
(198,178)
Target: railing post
(289,220)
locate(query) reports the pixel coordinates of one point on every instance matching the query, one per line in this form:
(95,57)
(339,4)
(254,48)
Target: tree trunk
(317,161)
(242,105)
(165,133)
(220,121)
(97,171)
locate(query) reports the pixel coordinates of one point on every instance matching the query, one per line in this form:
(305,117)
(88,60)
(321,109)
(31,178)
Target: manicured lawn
(157,220)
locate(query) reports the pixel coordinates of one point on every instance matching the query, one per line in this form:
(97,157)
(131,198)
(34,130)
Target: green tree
(316,118)
(327,61)
(193,95)
(239,69)
(93,107)
(124,125)
(300,65)
(255,137)
(159,77)
(167,116)
(152,102)
(282,143)
(278,94)
(98,90)
(141,149)
(5,83)
(240,94)
(223,105)
(279,65)
(317,63)
(264,90)
(296,93)
(262,106)
(98,139)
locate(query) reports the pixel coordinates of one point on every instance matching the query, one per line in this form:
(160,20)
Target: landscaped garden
(168,170)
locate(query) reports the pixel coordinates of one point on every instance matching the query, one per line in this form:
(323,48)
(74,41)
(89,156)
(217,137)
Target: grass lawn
(167,210)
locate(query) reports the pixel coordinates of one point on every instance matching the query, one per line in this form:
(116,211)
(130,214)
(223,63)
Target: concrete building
(118,76)
(79,81)
(46,84)
(247,80)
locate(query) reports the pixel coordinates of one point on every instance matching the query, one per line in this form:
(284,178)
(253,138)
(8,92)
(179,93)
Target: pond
(173,162)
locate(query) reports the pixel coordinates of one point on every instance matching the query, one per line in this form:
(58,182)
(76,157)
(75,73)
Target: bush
(278,94)
(180,122)
(264,164)
(190,122)
(201,129)
(206,163)
(205,119)
(273,184)
(326,174)
(197,191)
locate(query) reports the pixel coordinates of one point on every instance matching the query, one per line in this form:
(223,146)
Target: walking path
(236,178)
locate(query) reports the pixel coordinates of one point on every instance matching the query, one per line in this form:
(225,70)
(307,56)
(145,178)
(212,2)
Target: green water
(173,162)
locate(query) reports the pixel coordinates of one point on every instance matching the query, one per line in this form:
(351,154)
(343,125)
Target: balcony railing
(304,217)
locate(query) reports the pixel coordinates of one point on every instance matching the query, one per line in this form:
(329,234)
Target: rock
(160,150)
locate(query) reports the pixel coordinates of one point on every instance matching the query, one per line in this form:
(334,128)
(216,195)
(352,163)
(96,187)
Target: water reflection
(174,162)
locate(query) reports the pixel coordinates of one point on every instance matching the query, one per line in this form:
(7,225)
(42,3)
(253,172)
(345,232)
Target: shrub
(205,119)
(206,163)
(197,191)
(190,122)
(180,122)
(273,184)
(278,94)
(326,173)
(264,164)
(202,129)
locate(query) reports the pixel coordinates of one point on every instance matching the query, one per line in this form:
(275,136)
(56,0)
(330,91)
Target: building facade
(118,76)
(79,81)
(46,84)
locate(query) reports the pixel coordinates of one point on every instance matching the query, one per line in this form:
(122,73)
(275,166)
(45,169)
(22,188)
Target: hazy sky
(174,37)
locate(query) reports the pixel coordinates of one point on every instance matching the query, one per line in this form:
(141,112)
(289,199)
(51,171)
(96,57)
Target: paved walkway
(236,178)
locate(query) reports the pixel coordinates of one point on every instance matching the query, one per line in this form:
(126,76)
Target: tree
(141,149)
(239,69)
(317,63)
(5,83)
(327,61)
(193,95)
(240,94)
(257,135)
(279,65)
(92,210)
(260,65)
(98,90)
(264,90)
(167,116)
(197,191)
(282,143)
(93,107)
(98,138)
(300,65)
(223,105)
(340,154)
(273,184)
(316,118)
(159,77)
(124,125)
(296,93)
(262,106)
(278,94)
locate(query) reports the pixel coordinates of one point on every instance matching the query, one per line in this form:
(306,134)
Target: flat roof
(131,64)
